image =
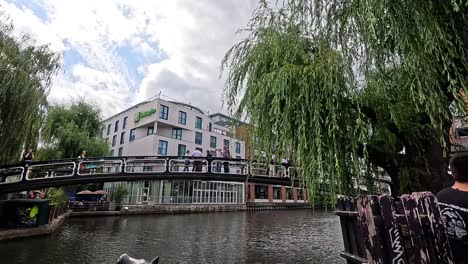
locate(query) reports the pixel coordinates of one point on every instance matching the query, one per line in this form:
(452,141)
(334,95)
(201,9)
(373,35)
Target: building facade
(166,128)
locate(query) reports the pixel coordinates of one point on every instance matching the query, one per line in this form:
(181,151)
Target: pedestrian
(453,202)
(197,164)
(226,155)
(272,166)
(187,161)
(28,156)
(208,154)
(82,155)
(218,154)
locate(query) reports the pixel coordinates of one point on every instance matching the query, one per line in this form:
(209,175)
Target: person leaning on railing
(453,202)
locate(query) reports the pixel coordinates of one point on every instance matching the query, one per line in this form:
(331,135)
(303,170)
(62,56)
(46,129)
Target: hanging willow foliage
(342,86)
(26,72)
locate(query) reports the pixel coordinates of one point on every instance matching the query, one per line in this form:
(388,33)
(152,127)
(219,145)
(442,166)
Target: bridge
(56,173)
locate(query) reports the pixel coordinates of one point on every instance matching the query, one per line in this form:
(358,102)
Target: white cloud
(117,47)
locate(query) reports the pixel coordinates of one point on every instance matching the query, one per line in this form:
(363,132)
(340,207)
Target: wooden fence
(382,229)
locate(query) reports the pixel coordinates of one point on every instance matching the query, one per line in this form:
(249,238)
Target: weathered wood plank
(393,236)
(368,223)
(420,254)
(443,253)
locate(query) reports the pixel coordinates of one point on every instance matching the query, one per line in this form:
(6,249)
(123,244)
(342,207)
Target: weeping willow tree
(70,129)
(26,72)
(347,87)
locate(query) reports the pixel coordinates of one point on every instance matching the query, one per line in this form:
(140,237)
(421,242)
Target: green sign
(140,115)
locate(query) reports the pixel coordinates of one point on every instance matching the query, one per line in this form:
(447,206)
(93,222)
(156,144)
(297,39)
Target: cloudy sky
(118,53)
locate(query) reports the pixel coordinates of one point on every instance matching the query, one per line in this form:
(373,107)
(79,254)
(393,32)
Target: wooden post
(420,254)
(395,243)
(294,190)
(368,222)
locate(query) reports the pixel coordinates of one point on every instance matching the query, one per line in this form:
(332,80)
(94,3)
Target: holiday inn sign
(140,115)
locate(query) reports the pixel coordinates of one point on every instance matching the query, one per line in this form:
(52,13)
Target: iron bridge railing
(60,170)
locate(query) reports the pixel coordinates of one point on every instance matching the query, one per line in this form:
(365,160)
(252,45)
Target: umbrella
(86,192)
(101,192)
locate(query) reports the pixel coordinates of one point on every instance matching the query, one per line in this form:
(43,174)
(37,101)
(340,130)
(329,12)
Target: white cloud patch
(120,52)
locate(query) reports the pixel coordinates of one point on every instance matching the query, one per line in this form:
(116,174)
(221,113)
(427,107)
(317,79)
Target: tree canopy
(26,72)
(346,86)
(69,129)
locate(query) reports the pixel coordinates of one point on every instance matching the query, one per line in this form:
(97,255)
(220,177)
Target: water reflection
(299,236)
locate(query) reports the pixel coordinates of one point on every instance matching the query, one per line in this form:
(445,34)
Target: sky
(117,53)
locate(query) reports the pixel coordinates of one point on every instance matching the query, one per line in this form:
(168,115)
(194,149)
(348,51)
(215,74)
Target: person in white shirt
(197,164)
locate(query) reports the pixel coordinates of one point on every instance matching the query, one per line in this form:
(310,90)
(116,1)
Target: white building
(166,128)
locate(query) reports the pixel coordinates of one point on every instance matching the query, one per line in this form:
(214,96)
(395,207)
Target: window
(198,122)
(210,126)
(162,148)
(213,142)
(122,138)
(226,143)
(238,147)
(132,135)
(116,128)
(114,138)
(112,153)
(198,138)
(182,118)
(164,112)
(277,193)
(181,150)
(102,131)
(177,133)
(199,149)
(125,122)
(120,152)
(150,131)
(108,129)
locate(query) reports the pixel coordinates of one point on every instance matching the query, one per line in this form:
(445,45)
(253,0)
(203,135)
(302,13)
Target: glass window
(122,138)
(181,150)
(238,147)
(277,193)
(108,129)
(182,118)
(199,149)
(120,152)
(198,122)
(177,133)
(213,142)
(150,131)
(226,143)
(114,138)
(198,138)
(112,153)
(289,194)
(125,122)
(164,112)
(210,127)
(116,128)
(132,135)
(162,148)
(102,131)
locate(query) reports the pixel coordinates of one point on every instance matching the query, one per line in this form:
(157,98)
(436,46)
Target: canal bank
(16,233)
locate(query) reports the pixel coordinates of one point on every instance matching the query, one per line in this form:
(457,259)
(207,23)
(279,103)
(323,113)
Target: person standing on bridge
(28,156)
(226,155)
(197,164)
(82,155)
(453,202)
(187,161)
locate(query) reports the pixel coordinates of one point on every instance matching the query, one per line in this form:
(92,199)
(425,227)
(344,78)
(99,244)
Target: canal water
(286,236)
